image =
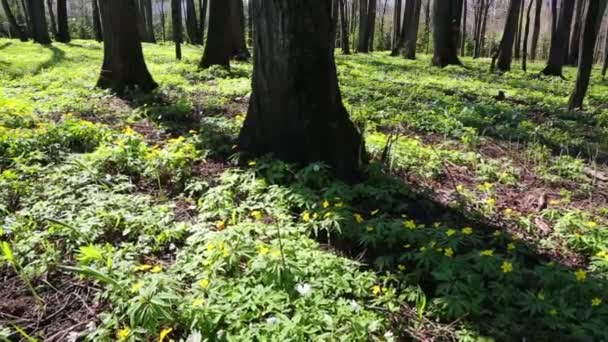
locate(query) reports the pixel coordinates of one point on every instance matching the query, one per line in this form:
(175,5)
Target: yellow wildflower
(450,232)
(128,131)
(210,247)
(252,163)
(581,275)
(507,267)
(220,225)
(144,267)
(203,283)
(256,214)
(508,212)
(156,269)
(358,218)
(375,212)
(449,252)
(164,333)
(490,201)
(137,286)
(467,230)
(602,254)
(487,252)
(263,250)
(376,290)
(596,301)
(485,186)
(591,224)
(275,253)
(410,224)
(326,204)
(306,216)
(123,334)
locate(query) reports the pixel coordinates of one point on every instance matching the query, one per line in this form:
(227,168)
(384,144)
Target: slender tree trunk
(96,21)
(13,22)
(354,23)
(463,36)
(605,67)
(477,34)
(344,27)
(250,21)
(203,18)
(150,21)
(363,45)
(505,51)
(396,24)
(37,15)
(371,25)
(143,11)
(123,60)
(427,26)
(446,23)
(484,26)
(296,111)
(382,44)
(176,19)
(526,36)
(559,42)
(576,34)
(237,26)
(517,52)
(218,49)
(594,11)
(192,24)
(49,5)
(554,17)
(335,17)
(29,27)
(411,34)
(63,31)
(536,31)
(163,30)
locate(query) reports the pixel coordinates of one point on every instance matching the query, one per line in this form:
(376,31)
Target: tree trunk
(363,43)
(396,24)
(484,26)
(13,22)
(382,44)
(411,33)
(605,67)
(63,31)
(505,51)
(463,36)
(28,19)
(536,31)
(237,26)
(427,26)
(296,111)
(203,18)
(446,23)
(517,50)
(192,24)
(143,16)
(176,20)
(49,5)
(559,42)
(477,31)
(163,30)
(371,25)
(526,36)
(594,11)
(97,21)
(123,60)
(40,32)
(354,23)
(576,34)
(218,49)
(344,28)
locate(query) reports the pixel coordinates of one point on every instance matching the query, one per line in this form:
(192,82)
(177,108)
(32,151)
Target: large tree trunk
(237,26)
(123,60)
(536,31)
(296,112)
(371,25)
(411,32)
(344,27)
(396,24)
(594,11)
(192,24)
(559,41)
(63,31)
(505,50)
(463,36)
(144,20)
(14,27)
(40,32)
(446,23)
(176,19)
(363,43)
(49,5)
(203,18)
(576,34)
(526,36)
(96,21)
(218,49)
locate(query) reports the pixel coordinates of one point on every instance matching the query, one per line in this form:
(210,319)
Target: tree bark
(344,27)
(505,50)
(605,67)
(296,111)
(463,36)
(218,49)
(446,23)
(559,42)
(13,22)
(203,18)
(163,30)
(123,61)
(49,5)
(237,19)
(40,32)
(97,21)
(517,50)
(411,33)
(63,31)
(371,25)
(524,60)
(484,26)
(427,26)
(479,10)
(363,43)
(383,44)
(536,31)
(192,24)
(144,20)
(576,34)
(396,24)
(594,11)
(176,20)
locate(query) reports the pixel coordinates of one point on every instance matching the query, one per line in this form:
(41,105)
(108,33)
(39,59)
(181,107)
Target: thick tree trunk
(344,28)
(371,25)
(203,18)
(396,24)
(411,33)
(296,111)
(517,50)
(14,26)
(49,5)
(505,51)
(594,11)
(463,36)
(524,60)
(192,24)
(536,31)
(123,60)
(559,42)
(446,23)
(63,31)
(96,21)
(176,19)
(40,32)
(218,49)
(237,26)
(363,43)
(576,34)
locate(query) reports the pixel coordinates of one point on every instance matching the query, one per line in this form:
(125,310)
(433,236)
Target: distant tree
(363,42)
(219,47)
(519,32)
(176,19)
(40,33)
(144,20)
(237,27)
(408,38)
(524,60)
(536,31)
(446,23)
(344,27)
(576,34)
(296,111)
(192,27)
(463,35)
(203,18)
(63,31)
(49,5)
(12,21)
(396,24)
(605,67)
(371,24)
(560,40)
(594,11)
(504,54)
(123,59)
(96,21)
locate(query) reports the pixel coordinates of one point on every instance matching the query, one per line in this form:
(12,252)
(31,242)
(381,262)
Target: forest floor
(131,218)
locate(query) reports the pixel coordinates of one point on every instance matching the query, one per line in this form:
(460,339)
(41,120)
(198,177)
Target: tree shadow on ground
(5,45)
(88,46)
(57,57)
